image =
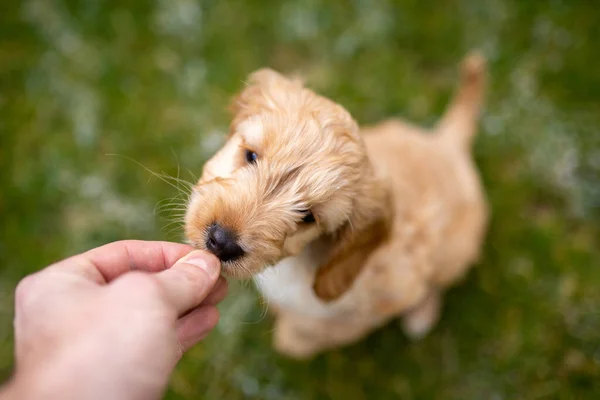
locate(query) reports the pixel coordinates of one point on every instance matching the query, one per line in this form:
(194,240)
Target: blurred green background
(150,80)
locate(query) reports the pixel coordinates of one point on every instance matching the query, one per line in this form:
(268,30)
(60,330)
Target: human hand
(113,322)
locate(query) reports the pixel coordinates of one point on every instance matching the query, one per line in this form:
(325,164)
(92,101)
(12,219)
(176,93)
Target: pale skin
(113,322)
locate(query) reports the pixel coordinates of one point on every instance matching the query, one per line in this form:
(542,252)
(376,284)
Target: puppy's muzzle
(222,242)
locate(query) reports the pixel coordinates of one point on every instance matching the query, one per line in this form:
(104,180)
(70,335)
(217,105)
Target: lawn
(150,82)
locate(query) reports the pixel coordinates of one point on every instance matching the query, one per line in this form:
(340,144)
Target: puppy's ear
(349,256)
(261,91)
(266,76)
(355,243)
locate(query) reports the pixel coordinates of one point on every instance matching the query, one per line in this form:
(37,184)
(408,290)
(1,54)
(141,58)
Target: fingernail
(205,261)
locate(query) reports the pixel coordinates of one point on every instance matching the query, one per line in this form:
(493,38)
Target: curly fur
(400,212)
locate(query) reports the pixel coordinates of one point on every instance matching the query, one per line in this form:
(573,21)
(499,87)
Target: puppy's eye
(251,156)
(308,217)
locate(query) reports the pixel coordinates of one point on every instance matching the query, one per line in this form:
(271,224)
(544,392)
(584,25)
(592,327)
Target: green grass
(151,80)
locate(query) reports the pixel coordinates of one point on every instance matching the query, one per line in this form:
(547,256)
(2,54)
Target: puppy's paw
(418,322)
(416,327)
(298,353)
(288,343)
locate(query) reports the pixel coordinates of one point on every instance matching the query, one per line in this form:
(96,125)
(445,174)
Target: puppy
(342,228)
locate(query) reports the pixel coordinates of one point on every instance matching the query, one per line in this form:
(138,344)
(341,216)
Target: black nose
(222,242)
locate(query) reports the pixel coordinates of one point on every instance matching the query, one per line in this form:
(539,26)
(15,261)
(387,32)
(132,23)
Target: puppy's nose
(223,243)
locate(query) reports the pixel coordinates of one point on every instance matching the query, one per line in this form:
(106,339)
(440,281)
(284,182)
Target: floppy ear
(266,76)
(338,274)
(356,241)
(260,92)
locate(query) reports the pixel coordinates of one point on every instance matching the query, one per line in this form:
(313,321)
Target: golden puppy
(342,229)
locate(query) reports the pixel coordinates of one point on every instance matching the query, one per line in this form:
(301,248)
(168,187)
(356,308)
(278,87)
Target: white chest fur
(289,285)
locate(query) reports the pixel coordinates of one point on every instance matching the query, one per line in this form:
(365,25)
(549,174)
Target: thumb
(187,283)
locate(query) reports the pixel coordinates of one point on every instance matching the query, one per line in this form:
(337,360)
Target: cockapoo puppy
(342,228)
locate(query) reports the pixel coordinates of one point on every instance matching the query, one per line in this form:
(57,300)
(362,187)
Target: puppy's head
(287,175)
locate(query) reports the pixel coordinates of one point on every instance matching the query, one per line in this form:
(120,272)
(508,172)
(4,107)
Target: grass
(150,81)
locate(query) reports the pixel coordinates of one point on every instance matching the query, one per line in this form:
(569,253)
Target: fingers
(189,281)
(196,325)
(105,263)
(186,281)
(218,293)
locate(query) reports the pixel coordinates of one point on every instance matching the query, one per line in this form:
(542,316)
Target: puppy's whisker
(162,176)
(176,218)
(174,225)
(177,161)
(174,215)
(174,211)
(174,221)
(168,200)
(264,306)
(350,222)
(175,229)
(170,207)
(264,312)
(187,184)
(183,186)
(177,197)
(245,270)
(174,208)
(194,177)
(173,204)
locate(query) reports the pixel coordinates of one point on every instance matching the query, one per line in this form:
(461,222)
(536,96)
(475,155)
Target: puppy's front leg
(303,337)
(418,321)
(295,336)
